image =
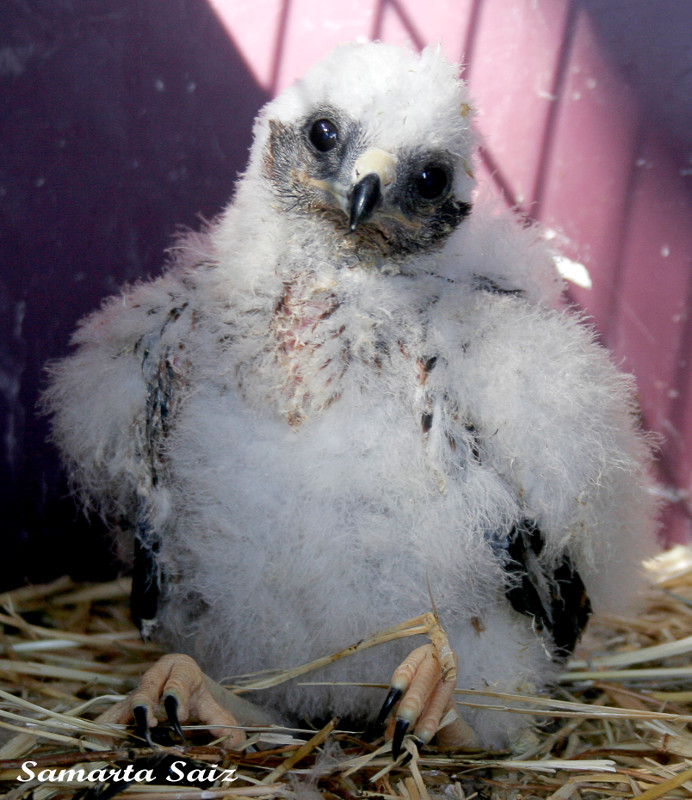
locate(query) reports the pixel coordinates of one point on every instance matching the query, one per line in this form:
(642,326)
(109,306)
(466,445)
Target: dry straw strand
(619,720)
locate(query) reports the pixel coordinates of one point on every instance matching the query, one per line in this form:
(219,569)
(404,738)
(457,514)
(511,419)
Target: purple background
(121,122)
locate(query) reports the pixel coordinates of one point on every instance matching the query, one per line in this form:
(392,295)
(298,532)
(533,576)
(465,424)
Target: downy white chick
(351,393)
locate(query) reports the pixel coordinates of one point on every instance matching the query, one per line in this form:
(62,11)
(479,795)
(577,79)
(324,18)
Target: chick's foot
(423,696)
(177,682)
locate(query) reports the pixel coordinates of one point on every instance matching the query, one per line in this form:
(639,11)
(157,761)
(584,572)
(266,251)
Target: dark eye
(432,182)
(324,135)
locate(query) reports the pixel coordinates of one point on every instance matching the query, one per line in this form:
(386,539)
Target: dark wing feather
(571,607)
(163,381)
(523,589)
(147,585)
(555,598)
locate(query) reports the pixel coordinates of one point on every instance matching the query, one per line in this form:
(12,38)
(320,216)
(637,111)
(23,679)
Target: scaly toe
(176,681)
(424,696)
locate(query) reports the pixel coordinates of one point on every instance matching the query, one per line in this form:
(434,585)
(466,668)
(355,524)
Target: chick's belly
(303,542)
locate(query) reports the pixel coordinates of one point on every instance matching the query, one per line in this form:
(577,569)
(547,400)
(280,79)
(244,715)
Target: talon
(402,725)
(425,694)
(393,697)
(179,683)
(170,703)
(140,713)
(409,755)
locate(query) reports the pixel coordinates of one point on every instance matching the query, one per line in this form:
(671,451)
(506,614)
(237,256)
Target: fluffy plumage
(310,418)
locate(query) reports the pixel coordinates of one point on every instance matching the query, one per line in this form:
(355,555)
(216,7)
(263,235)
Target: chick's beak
(365,198)
(372,173)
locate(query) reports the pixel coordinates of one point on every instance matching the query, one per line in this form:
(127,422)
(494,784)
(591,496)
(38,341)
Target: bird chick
(353,391)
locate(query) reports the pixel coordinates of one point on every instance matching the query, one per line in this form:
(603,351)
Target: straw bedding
(616,726)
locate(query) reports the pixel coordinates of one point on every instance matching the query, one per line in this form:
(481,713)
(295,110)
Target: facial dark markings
(442,222)
(423,192)
(424,180)
(419,211)
(279,161)
(327,137)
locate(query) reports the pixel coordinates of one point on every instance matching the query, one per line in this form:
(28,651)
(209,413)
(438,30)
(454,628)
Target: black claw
(170,703)
(390,701)
(400,729)
(419,743)
(141,724)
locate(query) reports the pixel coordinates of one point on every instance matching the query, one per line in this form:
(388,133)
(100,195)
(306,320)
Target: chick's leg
(423,696)
(186,693)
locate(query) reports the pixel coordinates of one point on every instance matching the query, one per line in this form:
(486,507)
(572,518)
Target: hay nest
(617,725)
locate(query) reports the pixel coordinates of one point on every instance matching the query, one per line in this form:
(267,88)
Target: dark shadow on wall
(119,123)
(649,43)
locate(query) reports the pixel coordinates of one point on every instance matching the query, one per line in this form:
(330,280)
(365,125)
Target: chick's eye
(432,182)
(324,135)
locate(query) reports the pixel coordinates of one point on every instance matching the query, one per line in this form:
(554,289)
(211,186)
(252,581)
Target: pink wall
(583,107)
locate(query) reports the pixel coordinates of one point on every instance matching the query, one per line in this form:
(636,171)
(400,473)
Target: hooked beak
(372,172)
(365,198)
